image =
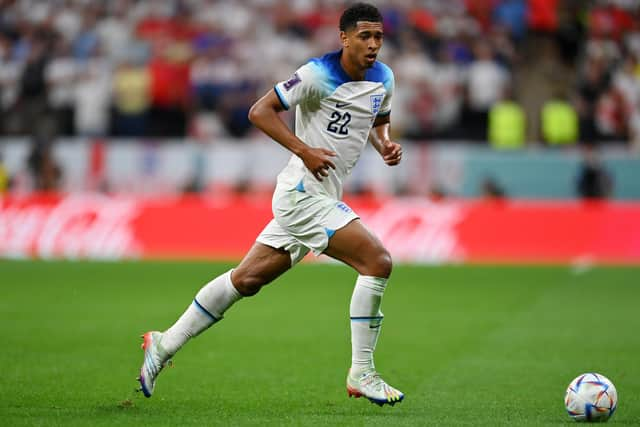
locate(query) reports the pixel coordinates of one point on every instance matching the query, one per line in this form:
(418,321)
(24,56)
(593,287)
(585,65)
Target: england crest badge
(376,103)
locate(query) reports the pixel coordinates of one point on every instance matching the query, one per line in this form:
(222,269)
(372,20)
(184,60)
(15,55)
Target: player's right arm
(264,114)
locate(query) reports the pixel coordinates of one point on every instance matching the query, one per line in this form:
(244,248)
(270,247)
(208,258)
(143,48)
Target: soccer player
(342,100)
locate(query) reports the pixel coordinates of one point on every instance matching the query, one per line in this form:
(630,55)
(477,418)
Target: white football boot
(155,359)
(370,385)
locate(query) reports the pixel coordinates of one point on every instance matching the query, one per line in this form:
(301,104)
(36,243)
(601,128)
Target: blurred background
(495,99)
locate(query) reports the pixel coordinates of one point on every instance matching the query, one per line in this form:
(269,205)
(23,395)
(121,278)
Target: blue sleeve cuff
(284,103)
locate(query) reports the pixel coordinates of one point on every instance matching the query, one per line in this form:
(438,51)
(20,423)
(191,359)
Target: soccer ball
(591,397)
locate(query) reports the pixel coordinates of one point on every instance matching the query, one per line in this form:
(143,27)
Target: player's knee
(386,264)
(248,285)
(380,265)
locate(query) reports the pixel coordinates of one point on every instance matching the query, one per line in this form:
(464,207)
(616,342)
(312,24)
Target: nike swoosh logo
(342,104)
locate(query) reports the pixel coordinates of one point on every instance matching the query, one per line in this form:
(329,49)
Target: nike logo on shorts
(342,104)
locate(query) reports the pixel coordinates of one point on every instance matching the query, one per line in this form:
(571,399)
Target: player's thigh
(358,247)
(261,265)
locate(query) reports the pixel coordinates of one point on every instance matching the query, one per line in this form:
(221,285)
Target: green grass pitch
(469,345)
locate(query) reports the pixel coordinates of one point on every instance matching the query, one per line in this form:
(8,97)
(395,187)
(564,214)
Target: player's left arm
(390,151)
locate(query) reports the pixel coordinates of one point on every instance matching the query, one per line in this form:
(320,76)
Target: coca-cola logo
(79,226)
(418,230)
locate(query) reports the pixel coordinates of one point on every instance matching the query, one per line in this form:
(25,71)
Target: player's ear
(344,39)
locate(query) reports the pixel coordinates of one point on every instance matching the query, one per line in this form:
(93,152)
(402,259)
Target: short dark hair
(359,12)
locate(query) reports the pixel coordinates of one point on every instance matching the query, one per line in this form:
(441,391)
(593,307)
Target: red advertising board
(414,230)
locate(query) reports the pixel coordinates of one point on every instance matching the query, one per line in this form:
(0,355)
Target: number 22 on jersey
(339,122)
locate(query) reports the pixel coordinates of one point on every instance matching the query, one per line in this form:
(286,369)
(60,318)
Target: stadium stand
(175,67)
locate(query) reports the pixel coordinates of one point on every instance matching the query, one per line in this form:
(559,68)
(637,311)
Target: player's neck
(352,69)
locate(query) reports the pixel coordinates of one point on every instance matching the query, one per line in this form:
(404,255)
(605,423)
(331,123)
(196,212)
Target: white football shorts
(303,221)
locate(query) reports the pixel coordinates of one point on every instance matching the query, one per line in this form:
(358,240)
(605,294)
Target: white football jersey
(333,112)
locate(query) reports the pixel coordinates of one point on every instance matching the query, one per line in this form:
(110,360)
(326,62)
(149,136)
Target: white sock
(207,308)
(366,321)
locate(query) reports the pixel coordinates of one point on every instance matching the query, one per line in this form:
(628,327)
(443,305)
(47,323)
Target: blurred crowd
(175,68)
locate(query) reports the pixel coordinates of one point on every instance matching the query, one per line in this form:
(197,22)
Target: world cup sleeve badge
(294,80)
(376,102)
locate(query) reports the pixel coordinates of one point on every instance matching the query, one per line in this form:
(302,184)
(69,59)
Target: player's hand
(318,161)
(391,152)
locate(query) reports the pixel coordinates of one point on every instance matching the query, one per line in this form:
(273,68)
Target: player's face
(363,43)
